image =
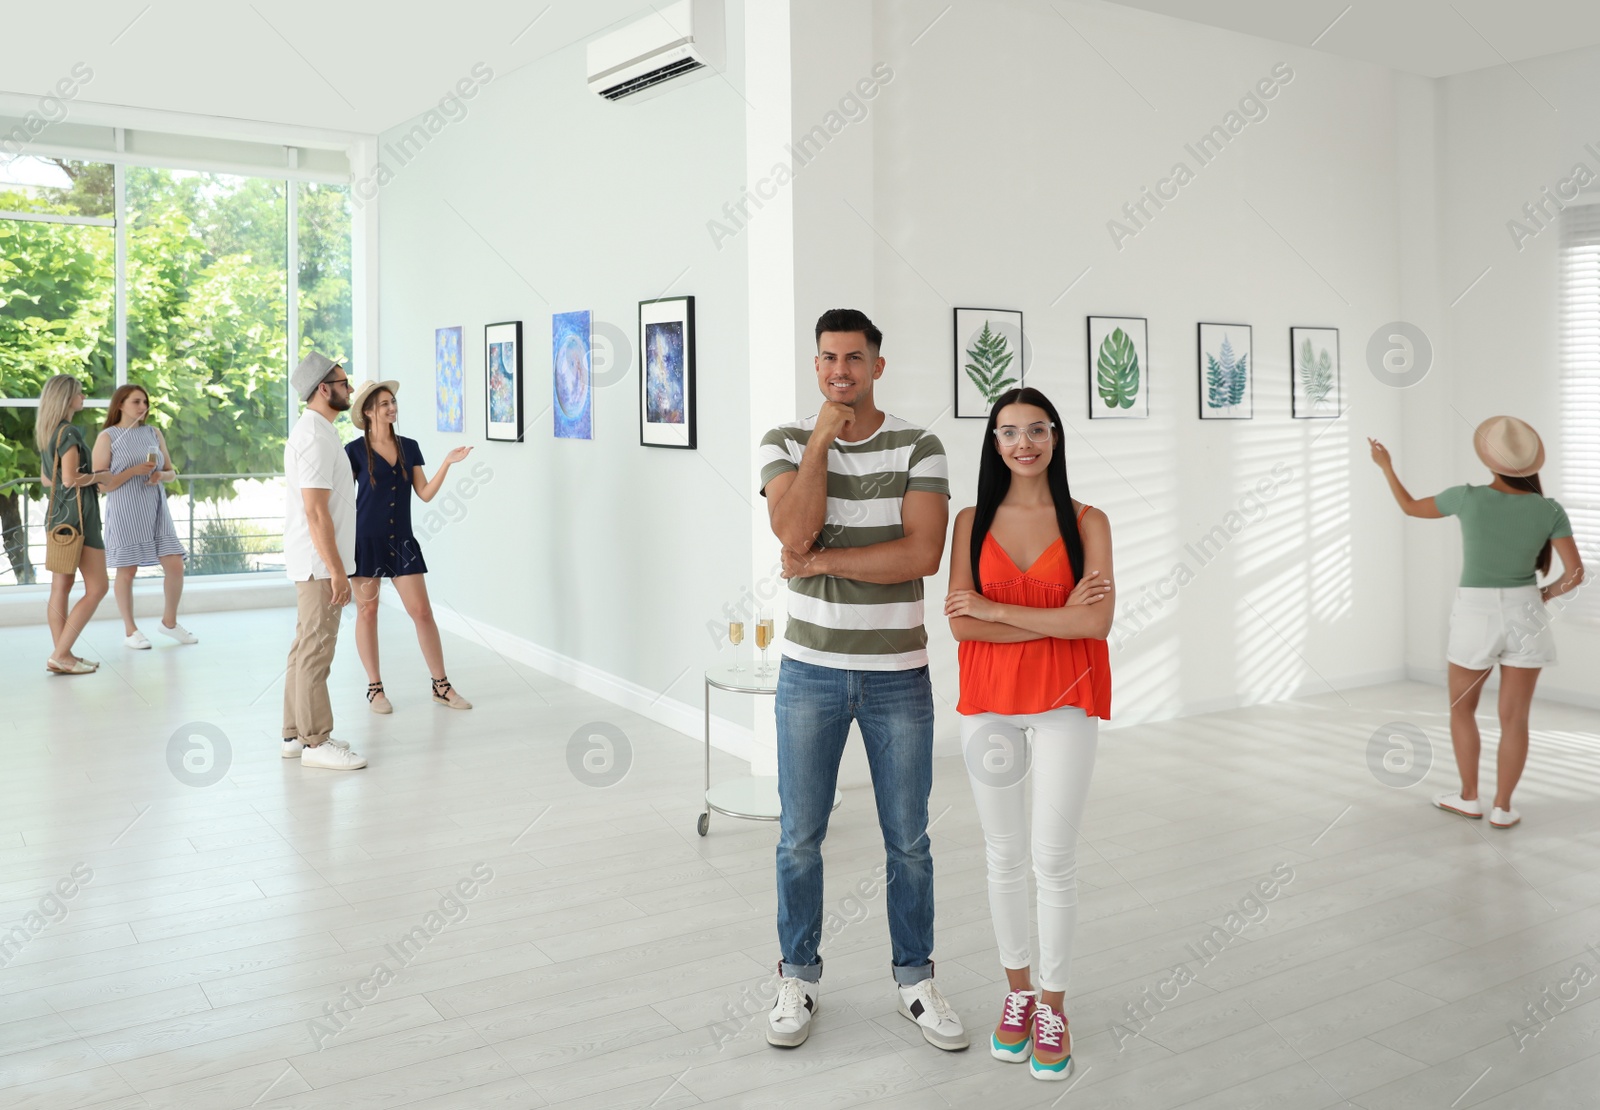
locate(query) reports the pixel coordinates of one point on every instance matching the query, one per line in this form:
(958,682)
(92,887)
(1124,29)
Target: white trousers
(1058,759)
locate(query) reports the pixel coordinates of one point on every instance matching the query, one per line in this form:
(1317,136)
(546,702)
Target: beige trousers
(307,713)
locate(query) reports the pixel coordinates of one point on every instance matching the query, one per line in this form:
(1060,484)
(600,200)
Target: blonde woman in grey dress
(139,531)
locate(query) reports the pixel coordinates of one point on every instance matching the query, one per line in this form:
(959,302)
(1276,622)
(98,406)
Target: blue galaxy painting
(663,361)
(571,376)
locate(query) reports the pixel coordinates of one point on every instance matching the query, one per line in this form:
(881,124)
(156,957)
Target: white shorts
(1507,626)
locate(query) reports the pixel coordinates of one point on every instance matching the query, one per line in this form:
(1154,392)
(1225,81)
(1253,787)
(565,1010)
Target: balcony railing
(240,535)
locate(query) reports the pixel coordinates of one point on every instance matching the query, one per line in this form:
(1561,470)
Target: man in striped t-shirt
(860,500)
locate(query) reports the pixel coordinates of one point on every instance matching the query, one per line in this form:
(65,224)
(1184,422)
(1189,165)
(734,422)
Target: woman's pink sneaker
(1012,1038)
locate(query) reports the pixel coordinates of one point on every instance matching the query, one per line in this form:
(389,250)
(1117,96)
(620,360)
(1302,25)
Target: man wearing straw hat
(319,550)
(1508,531)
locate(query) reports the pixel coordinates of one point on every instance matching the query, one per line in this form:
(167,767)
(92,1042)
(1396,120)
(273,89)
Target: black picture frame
(1018,367)
(495,335)
(1200,372)
(669,310)
(1296,402)
(1141,345)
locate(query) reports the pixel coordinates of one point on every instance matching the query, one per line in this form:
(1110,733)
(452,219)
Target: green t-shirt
(1502,533)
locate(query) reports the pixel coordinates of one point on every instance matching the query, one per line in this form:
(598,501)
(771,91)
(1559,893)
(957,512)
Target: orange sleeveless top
(1034,676)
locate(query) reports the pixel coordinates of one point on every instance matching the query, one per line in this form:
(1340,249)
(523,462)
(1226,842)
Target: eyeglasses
(338,381)
(1009,434)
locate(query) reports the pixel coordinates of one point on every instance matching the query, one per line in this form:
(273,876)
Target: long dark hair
(366,437)
(1531,484)
(120,398)
(994,480)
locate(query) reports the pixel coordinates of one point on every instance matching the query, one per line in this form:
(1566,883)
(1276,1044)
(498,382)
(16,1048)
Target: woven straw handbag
(63,544)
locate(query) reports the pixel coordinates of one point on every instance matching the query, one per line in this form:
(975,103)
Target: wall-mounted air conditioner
(669,43)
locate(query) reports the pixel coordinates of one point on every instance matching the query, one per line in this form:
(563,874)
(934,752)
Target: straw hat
(1509,446)
(359,398)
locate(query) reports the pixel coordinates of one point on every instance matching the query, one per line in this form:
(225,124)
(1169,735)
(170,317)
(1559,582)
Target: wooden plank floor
(547,942)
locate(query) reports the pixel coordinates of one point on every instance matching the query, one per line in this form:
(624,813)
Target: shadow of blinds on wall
(1580,392)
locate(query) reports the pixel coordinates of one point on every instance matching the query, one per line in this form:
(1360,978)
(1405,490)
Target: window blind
(1579,464)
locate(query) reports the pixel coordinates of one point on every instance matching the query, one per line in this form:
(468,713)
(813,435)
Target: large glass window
(325,317)
(207,313)
(207,279)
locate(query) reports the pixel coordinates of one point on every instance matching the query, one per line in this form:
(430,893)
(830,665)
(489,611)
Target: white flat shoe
(138,641)
(331,757)
(292,746)
(177,632)
(1453,802)
(1504,818)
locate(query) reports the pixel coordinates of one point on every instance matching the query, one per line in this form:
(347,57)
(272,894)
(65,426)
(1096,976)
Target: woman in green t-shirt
(68,473)
(1508,532)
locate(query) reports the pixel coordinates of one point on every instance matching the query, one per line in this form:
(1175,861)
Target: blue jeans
(895,711)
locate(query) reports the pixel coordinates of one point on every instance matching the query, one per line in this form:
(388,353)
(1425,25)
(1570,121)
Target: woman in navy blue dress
(387,468)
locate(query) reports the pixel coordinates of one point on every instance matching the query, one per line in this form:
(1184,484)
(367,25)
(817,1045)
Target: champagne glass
(154,458)
(736,637)
(764,630)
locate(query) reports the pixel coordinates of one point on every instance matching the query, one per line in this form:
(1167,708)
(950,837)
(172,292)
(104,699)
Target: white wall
(1003,146)
(985,172)
(548,199)
(1501,140)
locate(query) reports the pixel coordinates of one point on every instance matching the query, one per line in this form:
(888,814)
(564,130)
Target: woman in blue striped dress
(139,529)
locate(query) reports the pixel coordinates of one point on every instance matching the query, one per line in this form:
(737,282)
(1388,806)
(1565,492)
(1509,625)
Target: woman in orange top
(1032,623)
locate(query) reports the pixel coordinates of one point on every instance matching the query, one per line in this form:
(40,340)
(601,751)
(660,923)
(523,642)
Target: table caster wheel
(703,824)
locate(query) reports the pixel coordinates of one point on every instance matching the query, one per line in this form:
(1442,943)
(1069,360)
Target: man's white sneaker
(1455,803)
(332,757)
(177,632)
(292,746)
(923,1004)
(789,1022)
(138,641)
(1504,818)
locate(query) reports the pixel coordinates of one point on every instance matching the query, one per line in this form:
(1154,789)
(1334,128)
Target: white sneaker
(178,632)
(292,746)
(1504,818)
(331,757)
(1452,801)
(923,1004)
(789,1022)
(138,641)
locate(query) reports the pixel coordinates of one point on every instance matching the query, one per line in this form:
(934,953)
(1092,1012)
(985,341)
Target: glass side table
(754,797)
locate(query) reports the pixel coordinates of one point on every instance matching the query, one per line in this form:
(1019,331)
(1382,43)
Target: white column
(1428,422)
(770,247)
(810,243)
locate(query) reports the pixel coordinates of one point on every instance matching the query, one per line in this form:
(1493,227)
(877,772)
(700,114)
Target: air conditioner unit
(671,42)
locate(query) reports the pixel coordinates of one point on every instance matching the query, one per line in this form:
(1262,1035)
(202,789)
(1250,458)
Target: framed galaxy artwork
(502,380)
(666,372)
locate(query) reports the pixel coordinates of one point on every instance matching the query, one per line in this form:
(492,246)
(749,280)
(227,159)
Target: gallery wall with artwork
(1294,226)
(577,332)
(1166,346)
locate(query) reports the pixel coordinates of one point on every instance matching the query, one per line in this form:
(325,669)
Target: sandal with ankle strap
(377,701)
(445,694)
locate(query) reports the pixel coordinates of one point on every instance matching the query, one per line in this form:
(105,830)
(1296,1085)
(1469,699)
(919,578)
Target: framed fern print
(1314,373)
(1226,365)
(989,358)
(1119,368)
